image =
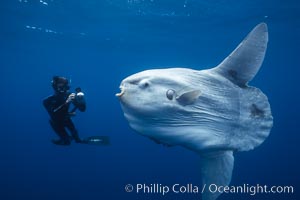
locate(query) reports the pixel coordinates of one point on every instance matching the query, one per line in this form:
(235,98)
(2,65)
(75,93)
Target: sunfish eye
(170,94)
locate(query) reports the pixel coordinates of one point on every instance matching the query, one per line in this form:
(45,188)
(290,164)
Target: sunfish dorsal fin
(216,169)
(243,63)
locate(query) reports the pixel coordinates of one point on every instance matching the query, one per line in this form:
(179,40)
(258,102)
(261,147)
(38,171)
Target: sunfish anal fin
(216,168)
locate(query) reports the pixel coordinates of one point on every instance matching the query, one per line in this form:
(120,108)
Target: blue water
(97,44)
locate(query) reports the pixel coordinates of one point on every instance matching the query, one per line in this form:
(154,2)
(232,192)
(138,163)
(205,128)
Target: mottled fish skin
(212,112)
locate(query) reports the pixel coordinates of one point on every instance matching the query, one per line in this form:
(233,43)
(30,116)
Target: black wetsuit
(60,118)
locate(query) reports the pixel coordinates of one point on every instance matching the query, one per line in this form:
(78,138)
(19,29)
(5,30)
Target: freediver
(58,105)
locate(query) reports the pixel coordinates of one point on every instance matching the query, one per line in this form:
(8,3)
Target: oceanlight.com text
(249,189)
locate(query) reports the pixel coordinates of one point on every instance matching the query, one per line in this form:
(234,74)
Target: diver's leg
(70,125)
(61,132)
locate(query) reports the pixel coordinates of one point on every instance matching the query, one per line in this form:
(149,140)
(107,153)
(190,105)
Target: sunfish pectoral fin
(216,170)
(189,97)
(243,63)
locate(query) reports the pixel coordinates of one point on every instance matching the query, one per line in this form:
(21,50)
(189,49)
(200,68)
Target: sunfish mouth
(121,93)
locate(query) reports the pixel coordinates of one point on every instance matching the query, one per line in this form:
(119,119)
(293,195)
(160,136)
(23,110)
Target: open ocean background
(97,43)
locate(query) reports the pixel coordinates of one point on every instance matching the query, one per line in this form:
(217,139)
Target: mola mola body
(213,112)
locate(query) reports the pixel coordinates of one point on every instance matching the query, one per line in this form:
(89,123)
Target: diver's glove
(71,97)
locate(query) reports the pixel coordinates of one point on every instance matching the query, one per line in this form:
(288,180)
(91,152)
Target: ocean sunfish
(213,112)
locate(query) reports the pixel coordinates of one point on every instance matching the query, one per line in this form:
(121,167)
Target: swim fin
(96,140)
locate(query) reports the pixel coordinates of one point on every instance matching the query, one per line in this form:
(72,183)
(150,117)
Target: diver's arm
(70,98)
(50,106)
(59,107)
